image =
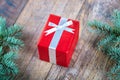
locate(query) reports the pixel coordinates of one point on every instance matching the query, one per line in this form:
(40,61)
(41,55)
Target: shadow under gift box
(65,47)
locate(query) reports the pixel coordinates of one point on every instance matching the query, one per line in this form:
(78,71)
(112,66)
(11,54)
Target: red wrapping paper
(66,44)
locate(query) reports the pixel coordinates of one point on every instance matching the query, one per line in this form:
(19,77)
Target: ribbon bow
(59,27)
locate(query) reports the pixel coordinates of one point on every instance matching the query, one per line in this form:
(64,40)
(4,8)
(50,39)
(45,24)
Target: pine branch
(116,31)
(106,40)
(1,50)
(114,73)
(113,52)
(10,43)
(116,18)
(100,27)
(110,43)
(2,22)
(13,30)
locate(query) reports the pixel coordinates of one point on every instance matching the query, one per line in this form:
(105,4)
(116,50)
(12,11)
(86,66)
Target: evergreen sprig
(10,43)
(110,42)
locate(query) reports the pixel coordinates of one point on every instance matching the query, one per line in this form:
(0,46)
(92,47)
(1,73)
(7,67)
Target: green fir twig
(10,43)
(110,43)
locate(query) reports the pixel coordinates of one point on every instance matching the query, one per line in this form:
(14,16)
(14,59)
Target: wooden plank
(70,11)
(35,15)
(87,63)
(37,70)
(90,58)
(10,9)
(33,18)
(58,10)
(80,44)
(63,70)
(95,69)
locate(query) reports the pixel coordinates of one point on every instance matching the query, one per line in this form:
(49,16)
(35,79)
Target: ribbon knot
(59,27)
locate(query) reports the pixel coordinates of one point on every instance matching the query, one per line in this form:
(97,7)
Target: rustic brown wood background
(87,63)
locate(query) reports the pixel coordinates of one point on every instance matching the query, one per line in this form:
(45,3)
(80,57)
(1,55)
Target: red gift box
(58,40)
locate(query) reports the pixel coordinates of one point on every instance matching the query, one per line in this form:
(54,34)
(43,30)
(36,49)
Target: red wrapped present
(58,40)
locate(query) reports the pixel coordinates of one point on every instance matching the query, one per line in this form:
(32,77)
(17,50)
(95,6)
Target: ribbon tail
(67,23)
(50,31)
(70,30)
(52,24)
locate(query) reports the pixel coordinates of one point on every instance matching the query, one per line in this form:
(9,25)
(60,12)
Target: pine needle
(10,43)
(110,43)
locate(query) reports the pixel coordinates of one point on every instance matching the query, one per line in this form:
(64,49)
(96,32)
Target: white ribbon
(58,29)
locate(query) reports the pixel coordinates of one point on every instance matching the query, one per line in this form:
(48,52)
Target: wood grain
(10,9)
(87,63)
(33,22)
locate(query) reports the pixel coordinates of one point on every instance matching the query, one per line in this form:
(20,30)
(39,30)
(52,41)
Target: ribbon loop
(59,27)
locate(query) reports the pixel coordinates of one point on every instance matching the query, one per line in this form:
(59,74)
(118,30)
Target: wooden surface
(10,9)
(87,63)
